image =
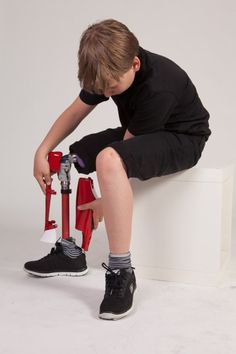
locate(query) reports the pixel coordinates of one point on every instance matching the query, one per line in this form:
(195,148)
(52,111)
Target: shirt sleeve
(92,98)
(152,113)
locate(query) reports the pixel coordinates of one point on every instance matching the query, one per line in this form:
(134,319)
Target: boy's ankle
(120,261)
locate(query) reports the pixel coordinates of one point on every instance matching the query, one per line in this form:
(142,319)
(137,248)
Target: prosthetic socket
(85,193)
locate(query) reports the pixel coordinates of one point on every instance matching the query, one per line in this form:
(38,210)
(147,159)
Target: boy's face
(117,87)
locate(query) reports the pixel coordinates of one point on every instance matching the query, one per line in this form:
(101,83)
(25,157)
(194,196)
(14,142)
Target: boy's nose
(107,93)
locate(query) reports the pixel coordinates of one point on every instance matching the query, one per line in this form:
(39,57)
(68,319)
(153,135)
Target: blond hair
(107,50)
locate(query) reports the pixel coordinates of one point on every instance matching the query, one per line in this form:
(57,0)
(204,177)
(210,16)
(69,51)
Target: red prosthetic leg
(50,225)
(85,193)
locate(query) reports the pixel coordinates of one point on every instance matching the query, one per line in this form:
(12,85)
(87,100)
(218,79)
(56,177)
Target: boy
(164,127)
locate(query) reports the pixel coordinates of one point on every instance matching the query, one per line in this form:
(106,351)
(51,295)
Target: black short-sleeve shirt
(161,97)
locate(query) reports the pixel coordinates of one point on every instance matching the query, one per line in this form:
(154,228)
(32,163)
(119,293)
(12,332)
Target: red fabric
(84,218)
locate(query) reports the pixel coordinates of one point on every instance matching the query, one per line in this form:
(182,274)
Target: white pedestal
(182,225)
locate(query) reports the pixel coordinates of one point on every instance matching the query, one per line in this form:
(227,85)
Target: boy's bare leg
(117,199)
(117,203)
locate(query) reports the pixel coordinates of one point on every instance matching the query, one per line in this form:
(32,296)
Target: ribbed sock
(120,261)
(70,248)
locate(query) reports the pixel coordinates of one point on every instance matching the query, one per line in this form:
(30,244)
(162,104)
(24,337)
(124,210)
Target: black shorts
(145,156)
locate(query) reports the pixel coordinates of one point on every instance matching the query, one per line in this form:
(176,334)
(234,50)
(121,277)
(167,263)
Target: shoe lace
(115,282)
(55,250)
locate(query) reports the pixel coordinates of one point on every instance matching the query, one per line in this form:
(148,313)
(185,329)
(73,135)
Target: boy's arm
(127,135)
(63,126)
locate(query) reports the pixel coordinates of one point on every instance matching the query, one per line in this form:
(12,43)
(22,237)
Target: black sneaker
(57,263)
(118,298)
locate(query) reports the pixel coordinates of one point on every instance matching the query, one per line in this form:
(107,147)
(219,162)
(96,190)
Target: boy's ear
(136,64)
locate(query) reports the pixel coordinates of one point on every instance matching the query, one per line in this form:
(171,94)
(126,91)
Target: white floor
(59,315)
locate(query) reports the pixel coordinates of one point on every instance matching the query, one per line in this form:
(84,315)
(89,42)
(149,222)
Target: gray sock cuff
(127,254)
(120,260)
(70,248)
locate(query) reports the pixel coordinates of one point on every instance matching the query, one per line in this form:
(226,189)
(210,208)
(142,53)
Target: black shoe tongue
(116,271)
(112,271)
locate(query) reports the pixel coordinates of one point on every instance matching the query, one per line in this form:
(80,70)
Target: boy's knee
(109,159)
(105,157)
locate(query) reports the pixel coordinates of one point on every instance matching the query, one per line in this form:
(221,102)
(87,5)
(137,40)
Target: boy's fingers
(84,206)
(48,179)
(43,188)
(97,218)
(95,223)
(41,184)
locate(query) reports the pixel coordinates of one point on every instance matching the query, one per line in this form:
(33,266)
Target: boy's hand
(96,207)
(42,171)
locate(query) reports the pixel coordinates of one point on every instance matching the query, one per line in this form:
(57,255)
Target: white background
(38,80)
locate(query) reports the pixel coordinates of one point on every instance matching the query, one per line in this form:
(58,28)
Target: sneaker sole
(113,316)
(55,274)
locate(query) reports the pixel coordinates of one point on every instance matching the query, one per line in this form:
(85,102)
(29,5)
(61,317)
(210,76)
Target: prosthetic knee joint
(85,193)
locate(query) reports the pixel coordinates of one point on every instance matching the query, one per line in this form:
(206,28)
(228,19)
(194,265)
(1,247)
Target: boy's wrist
(42,152)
